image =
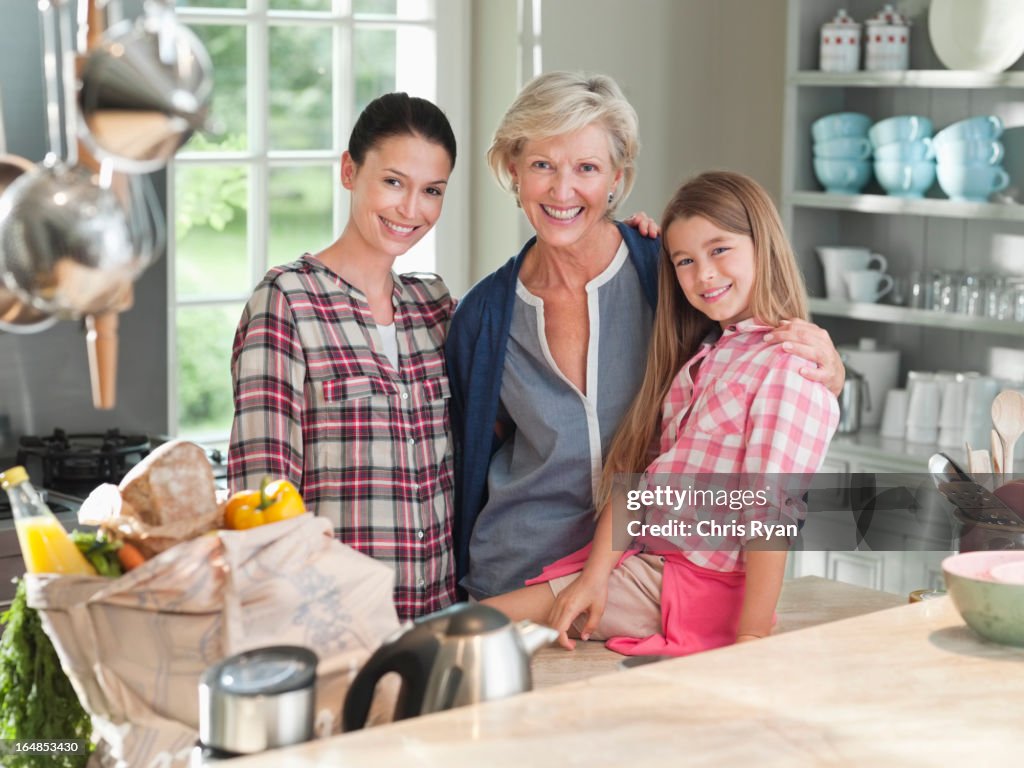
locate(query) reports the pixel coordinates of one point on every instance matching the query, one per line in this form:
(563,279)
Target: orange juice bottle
(45,544)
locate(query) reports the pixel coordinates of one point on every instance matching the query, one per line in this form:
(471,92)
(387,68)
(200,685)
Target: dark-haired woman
(338,365)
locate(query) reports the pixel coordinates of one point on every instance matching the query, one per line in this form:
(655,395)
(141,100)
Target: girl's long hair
(735,203)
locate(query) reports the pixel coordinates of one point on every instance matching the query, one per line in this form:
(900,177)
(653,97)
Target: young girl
(338,365)
(715,399)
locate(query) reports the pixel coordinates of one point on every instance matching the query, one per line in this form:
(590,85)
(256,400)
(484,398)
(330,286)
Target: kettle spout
(535,636)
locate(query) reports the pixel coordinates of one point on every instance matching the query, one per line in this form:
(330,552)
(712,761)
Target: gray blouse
(541,482)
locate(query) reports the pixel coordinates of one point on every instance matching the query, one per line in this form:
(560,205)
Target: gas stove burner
(77,463)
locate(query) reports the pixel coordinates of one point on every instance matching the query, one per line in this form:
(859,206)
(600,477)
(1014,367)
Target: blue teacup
(970,152)
(905,151)
(900,128)
(984,127)
(973,183)
(844,177)
(849,148)
(905,179)
(840,125)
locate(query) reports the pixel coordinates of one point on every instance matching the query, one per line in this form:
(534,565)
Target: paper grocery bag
(135,647)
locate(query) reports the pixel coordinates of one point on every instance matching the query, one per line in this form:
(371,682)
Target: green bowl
(993,609)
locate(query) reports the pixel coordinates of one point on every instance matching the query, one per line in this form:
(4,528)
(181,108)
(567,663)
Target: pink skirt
(700,608)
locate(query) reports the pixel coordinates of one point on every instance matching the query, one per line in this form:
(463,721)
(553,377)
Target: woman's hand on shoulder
(588,594)
(812,342)
(643,224)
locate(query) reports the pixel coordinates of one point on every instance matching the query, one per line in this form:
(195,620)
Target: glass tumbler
(918,291)
(993,296)
(949,291)
(1017,300)
(969,296)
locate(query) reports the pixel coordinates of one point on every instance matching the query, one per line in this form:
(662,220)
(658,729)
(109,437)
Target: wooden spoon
(1008,420)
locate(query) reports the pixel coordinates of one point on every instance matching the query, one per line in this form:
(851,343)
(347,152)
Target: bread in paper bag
(168,497)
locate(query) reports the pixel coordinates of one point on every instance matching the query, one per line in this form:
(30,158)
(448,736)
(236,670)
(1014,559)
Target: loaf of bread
(172,484)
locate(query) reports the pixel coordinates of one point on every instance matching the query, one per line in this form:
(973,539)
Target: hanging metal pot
(145,88)
(66,242)
(15,315)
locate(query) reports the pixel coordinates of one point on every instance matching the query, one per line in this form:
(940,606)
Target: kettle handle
(412,657)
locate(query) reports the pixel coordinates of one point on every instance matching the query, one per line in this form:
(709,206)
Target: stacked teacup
(904,164)
(841,152)
(969,157)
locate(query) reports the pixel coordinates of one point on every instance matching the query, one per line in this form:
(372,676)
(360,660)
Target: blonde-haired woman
(727,412)
(546,353)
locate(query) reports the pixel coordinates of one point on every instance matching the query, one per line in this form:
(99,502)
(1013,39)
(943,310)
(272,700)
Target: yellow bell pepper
(275,500)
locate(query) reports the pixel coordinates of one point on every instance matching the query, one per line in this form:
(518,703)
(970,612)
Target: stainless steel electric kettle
(465,654)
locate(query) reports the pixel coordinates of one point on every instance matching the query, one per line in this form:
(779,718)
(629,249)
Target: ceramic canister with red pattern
(840,44)
(887,41)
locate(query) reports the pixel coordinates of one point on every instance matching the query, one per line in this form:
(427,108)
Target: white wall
(725,108)
(494,231)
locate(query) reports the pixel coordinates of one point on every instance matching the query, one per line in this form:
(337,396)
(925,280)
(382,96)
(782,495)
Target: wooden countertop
(911,685)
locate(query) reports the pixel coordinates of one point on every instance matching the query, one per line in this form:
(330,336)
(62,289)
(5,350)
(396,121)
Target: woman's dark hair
(399,114)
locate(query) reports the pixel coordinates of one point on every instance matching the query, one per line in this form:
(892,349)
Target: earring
(515,193)
(611,196)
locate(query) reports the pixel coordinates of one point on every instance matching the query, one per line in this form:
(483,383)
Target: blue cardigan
(475,352)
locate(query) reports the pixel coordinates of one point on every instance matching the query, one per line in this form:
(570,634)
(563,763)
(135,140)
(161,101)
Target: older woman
(546,353)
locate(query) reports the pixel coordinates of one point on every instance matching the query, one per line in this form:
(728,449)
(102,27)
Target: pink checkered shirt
(366,444)
(747,414)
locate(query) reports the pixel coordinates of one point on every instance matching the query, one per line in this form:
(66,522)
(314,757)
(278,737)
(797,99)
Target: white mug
(837,260)
(894,417)
(923,412)
(867,285)
(977,423)
(954,394)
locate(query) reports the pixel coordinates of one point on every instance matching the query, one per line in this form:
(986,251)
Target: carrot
(130,556)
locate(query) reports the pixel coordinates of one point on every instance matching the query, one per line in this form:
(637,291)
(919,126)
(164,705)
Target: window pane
(376,7)
(300,88)
(211,247)
(374,63)
(210,3)
(205,405)
(403,9)
(300,5)
(416,49)
(226,46)
(300,211)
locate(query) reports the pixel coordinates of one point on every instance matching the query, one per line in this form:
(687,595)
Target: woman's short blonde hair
(557,103)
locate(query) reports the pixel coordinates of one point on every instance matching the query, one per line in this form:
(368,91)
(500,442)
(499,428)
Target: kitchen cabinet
(933,233)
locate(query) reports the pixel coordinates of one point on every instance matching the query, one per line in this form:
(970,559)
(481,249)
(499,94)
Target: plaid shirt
(740,410)
(317,401)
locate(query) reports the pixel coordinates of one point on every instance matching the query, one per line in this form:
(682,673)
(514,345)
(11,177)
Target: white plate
(977,35)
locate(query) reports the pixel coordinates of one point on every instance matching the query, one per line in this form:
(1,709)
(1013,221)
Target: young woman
(716,400)
(338,366)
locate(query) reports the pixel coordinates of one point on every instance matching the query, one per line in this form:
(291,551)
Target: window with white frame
(291,76)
